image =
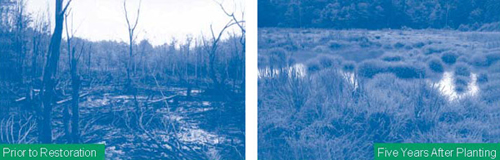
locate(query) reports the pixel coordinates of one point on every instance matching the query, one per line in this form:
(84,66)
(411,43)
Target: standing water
(447,88)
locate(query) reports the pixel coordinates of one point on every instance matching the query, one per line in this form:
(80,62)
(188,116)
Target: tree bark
(75,83)
(45,135)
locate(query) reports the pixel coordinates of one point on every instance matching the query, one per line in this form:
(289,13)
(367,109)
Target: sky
(160,20)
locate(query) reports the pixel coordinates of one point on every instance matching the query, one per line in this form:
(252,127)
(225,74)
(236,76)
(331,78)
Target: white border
(251,81)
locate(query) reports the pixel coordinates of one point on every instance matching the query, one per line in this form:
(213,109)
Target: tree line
(377,14)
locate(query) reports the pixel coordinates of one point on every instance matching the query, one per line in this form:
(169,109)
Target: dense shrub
(380,14)
(449,58)
(436,65)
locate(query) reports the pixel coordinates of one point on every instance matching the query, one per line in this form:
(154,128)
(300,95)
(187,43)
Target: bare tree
(21,22)
(45,135)
(241,26)
(41,27)
(131,30)
(219,78)
(74,135)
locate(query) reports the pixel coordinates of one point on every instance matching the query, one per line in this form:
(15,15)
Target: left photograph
(149,79)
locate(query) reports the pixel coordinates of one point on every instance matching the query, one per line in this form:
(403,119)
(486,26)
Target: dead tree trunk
(45,133)
(74,135)
(75,84)
(131,29)
(241,26)
(89,62)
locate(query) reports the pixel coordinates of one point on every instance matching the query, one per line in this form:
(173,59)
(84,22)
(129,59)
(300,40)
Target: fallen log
(70,98)
(162,99)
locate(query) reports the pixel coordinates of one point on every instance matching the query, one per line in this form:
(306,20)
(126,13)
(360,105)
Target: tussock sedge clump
(449,58)
(349,66)
(401,70)
(462,69)
(393,58)
(485,60)
(436,65)
(385,105)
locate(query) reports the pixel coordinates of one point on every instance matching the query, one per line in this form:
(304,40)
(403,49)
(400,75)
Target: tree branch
(66,7)
(130,27)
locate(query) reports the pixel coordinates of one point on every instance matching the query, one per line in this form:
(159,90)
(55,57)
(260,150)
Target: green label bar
(52,151)
(436,151)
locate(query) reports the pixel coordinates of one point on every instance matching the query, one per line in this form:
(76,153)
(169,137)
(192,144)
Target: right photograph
(337,76)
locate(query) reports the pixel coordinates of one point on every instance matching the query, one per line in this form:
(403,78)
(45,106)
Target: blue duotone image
(149,79)
(337,76)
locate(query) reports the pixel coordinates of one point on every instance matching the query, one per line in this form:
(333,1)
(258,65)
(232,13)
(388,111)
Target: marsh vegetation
(331,94)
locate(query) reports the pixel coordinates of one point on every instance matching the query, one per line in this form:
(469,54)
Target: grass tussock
(326,116)
(449,58)
(436,65)
(401,70)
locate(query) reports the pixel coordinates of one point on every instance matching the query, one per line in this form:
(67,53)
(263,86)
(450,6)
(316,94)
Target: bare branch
(126,13)
(130,27)
(66,7)
(68,38)
(231,15)
(228,25)
(81,51)
(138,13)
